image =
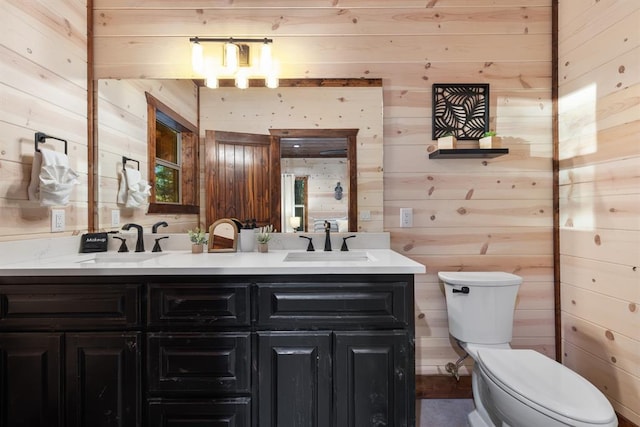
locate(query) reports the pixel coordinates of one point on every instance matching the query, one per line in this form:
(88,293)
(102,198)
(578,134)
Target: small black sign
(94,242)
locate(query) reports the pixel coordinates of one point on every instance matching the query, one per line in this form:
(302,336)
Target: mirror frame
(234,227)
(352,165)
(93,148)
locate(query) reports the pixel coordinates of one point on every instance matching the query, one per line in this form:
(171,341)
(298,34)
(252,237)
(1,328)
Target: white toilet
(514,387)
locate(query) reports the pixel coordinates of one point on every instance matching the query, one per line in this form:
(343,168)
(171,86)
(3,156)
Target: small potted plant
(263,236)
(447,141)
(488,139)
(198,239)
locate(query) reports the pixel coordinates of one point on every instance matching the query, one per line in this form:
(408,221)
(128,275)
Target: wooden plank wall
(599,143)
(122,131)
(43,88)
(230,109)
(468,214)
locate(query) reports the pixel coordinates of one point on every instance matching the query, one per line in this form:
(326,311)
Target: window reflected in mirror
(167,161)
(173,160)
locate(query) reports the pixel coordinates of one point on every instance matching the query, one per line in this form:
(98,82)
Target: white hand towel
(138,190)
(34,185)
(122,189)
(55,179)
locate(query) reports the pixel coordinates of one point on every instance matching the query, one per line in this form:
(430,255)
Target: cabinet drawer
(335,305)
(208,364)
(78,307)
(202,306)
(214,412)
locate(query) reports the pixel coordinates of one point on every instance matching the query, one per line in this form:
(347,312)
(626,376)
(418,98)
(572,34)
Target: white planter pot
(247,239)
(487,142)
(447,142)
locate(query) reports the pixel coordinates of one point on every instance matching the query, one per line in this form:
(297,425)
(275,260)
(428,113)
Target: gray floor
(443,412)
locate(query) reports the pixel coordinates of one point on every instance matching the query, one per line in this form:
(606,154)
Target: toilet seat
(549,387)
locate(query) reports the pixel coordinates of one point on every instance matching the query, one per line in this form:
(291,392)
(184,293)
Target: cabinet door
(103,379)
(30,383)
(371,379)
(294,379)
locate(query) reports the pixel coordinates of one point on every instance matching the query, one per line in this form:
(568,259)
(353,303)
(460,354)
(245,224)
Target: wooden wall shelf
(468,153)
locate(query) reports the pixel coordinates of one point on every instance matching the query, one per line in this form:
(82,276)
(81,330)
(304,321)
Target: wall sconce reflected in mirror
(294,222)
(338,192)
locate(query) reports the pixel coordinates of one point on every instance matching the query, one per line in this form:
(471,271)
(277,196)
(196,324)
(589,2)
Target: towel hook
(124,161)
(40,138)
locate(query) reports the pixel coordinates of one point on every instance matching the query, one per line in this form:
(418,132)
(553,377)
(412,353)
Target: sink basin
(110,258)
(327,256)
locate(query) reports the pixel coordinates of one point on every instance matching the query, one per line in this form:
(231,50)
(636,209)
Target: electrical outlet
(365,215)
(406,217)
(57,220)
(115,218)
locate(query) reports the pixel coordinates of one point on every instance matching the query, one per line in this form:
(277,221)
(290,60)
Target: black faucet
(140,241)
(154,227)
(327,238)
(310,247)
(156,247)
(123,244)
(344,247)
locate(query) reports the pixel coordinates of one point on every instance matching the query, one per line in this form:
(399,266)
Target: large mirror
(122,129)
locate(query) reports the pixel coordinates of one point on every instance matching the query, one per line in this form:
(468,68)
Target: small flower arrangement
(197,236)
(490,133)
(264,233)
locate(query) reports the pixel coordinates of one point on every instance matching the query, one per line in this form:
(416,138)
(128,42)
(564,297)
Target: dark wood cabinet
(294,379)
(86,371)
(260,351)
(372,372)
(341,355)
(102,379)
(30,380)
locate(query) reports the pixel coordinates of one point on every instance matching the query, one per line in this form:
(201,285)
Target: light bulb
(212,82)
(231,57)
(242,79)
(272,81)
(265,59)
(197,61)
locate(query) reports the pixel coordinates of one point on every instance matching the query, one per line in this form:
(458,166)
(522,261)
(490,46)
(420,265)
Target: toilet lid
(530,376)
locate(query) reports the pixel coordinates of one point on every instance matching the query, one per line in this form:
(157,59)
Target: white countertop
(183,262)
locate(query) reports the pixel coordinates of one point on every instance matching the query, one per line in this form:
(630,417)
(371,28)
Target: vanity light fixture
(235,61)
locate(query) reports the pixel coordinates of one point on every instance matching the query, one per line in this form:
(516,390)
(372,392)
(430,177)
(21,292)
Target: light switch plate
(115,217)
(406,217)
(57,220)
(365,215)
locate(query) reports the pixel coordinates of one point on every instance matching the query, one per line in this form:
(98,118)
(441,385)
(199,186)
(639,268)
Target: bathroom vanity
(236,339)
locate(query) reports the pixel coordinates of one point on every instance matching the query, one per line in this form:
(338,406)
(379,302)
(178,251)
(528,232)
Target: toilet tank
(480,305)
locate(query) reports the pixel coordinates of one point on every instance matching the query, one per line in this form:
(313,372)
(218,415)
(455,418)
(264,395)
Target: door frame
(352,165)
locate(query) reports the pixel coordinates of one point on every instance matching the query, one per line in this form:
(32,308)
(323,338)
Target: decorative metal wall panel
(461,110)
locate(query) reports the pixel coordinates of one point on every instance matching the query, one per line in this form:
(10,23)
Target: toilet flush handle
(463,290)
